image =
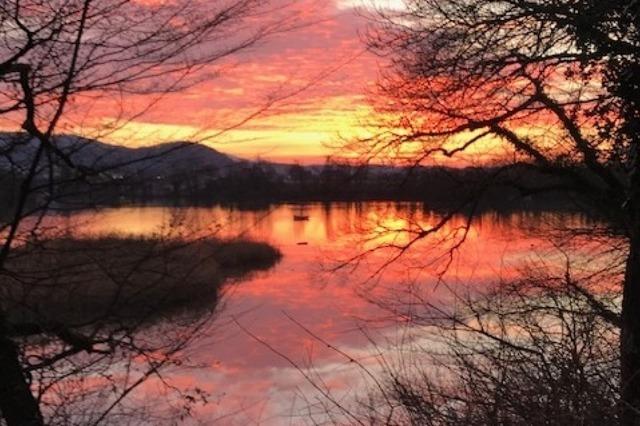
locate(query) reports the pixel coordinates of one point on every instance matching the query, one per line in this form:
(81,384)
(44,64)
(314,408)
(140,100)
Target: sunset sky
(324,66)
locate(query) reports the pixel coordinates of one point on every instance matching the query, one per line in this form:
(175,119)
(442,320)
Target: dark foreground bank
(118,280)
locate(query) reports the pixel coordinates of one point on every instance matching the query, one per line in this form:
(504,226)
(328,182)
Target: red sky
(329,49)
(322,70)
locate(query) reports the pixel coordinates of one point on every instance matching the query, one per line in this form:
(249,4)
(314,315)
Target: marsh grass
(116,280)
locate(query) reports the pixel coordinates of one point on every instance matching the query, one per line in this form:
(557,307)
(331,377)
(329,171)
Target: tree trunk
(630,331)
(17,404)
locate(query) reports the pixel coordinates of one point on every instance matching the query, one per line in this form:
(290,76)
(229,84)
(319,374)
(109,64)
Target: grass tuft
(115,279)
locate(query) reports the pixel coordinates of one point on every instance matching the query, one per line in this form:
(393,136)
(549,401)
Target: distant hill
(175,157)
(192,173)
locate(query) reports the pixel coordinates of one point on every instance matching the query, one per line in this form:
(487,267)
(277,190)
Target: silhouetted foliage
(58,60)
(542,85)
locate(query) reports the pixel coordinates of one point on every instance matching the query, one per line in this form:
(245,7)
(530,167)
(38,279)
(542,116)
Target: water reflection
(259,386)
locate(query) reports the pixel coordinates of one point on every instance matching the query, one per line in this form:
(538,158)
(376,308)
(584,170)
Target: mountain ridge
(16,150)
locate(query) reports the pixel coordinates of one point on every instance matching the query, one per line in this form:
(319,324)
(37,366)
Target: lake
(325,291)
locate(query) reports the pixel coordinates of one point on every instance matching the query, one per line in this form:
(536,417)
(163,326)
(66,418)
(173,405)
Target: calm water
(250,382)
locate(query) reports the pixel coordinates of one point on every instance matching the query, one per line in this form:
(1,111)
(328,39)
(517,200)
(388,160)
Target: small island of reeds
(69,282)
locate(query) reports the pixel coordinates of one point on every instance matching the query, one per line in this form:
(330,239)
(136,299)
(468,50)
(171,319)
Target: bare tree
(56,59)
(536,350)
(532,85)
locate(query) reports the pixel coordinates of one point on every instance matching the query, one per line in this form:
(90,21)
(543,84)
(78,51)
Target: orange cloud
(311,79)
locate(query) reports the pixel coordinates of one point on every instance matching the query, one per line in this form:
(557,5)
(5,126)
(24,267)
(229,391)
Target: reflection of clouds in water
(250,379)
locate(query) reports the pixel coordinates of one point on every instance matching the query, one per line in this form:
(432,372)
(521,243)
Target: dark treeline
(257,182)
(437,186)
(188,173)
